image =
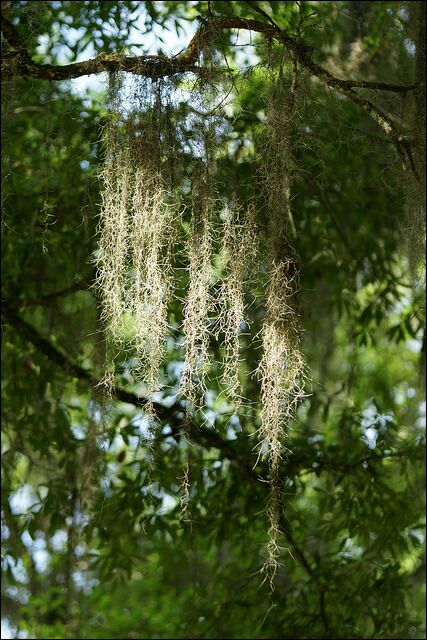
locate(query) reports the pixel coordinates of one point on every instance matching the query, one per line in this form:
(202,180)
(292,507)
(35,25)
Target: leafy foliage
(93,543)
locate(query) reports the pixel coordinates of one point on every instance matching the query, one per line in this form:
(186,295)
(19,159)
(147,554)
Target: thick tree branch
(160,66)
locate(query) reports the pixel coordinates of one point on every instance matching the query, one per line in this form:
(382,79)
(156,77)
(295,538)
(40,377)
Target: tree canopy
(268,159)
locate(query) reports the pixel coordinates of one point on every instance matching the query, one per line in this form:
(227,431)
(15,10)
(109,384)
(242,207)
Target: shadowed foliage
(213,319)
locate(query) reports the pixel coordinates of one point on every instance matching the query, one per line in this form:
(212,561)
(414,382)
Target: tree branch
(155,66)
(172,415)
(79,285)
(160,66)
(13,38)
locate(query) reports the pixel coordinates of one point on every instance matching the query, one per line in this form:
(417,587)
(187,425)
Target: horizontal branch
(155,66)
(160,66)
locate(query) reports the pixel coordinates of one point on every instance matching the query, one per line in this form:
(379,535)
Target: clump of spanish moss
(198,302)
(196,309)
(113,243)
(152,232)
(205,206)
(137,227)
(282,367)
(140,222)
(282,373)
(239,248)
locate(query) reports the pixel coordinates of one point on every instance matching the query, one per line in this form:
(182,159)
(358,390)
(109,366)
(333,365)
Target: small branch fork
(18,62)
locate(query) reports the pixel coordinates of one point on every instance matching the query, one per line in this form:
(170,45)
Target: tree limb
(159,66)
(201,435)
(156,66)
(79,285)
(174,416)
(171,415)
